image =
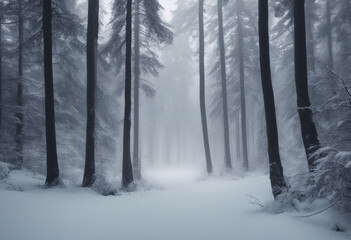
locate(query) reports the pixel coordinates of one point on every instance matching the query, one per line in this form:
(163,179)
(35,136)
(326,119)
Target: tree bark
(310,37)
(228,161)
(136,159)
(308,128)
(275,167)
(127,171)
(19,101)
(202,87)
(92,41)
(242,94)
(1,103)
(52,177)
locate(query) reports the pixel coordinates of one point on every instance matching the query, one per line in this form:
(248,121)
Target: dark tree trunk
(19,112)
(330,39)
(242,94)
(308,128)
(202,87)
(136,159)
(92,39)
(275,167)
(127,171)
(1,103)
(310,37)
(228,161)
(52,177)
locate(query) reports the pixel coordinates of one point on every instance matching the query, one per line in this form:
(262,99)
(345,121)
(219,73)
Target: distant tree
(52,177)
(148,30)
(275,167)
(202,87)
(19,112)
(136,158)
(92,41)
(127,171)
(240,42)
(228,161)
(329,36)
(308,128)
(310,18)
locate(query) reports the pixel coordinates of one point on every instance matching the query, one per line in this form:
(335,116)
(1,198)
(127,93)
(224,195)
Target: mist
(175,119)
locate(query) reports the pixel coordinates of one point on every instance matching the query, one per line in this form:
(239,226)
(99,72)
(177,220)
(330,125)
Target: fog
(109,108)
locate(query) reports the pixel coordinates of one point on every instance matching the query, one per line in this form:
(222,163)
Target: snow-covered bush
(103,187)
(331,180)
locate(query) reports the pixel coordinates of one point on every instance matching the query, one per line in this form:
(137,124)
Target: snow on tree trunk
(308,128)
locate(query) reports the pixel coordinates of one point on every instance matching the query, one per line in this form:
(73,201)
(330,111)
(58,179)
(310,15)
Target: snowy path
(186,209)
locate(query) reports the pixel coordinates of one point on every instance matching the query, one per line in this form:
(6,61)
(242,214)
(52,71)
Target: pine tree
(228,161)
(127,171)
(308,128)
(202,87)
(52,177)
(92,41)
(275,167)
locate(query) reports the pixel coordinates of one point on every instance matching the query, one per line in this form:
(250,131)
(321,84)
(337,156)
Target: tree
(275,167)
(19,112)
(1,49)
(148,29)
(202,87)
(136,159)
(52,177)
(242,84)
(127,171)
(310,34)
(228,161)
(149,32)
(92,41)
(308,128)
(329,35)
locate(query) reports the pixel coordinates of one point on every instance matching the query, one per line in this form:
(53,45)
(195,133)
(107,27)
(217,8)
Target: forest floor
(178,205)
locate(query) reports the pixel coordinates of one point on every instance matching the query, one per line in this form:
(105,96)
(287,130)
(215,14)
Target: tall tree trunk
(310,37)
(275,167)
(1,103)
(127,171)
(228,161)
(202,87)
(308,128)
(19,111)
(242,94)
(330,39)
(237,132)
(52,177)
(92,39)
(136,159)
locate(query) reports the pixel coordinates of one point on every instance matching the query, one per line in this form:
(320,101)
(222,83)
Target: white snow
(185,206)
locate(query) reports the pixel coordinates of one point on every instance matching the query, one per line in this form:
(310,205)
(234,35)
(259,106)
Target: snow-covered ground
(184,206)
